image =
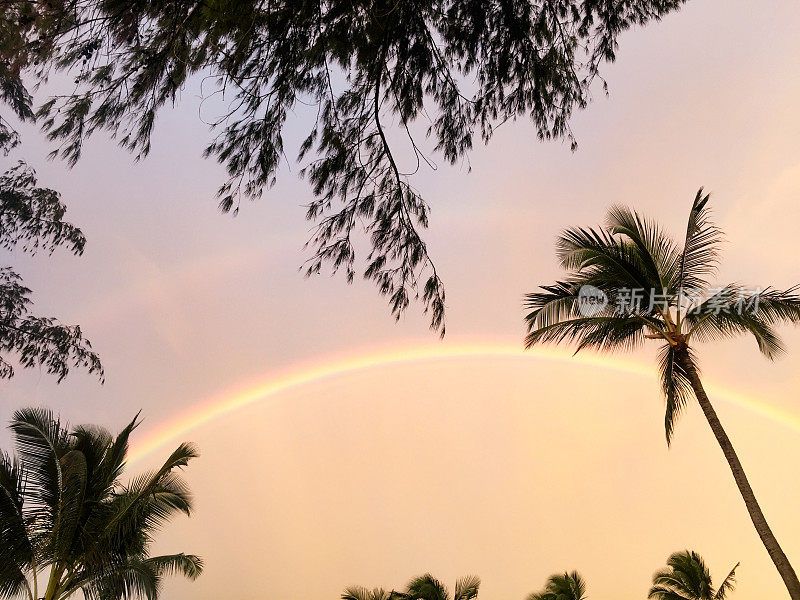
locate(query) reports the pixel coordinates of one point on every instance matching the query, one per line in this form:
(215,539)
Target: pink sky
(509,470)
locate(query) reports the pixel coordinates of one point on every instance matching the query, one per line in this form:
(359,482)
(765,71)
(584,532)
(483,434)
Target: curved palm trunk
(759,521)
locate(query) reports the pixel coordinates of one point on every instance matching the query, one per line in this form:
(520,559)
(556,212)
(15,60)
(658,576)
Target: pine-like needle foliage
(68,523)
(32,220)
(378,72)
(31,217)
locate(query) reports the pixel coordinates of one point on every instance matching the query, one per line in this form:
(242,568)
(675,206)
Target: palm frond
(13,583)
(426,587)
(611,263)
(728,585)
(600,333)
(734,310)
(656,250)
(133,579)
(180,457)
(570,585)
(188,565)
(144,507)
(566,586)
(552,304)
(114,460)
(700,256)
(74,469)
(155,494)
(614,333)
(776,306)
(93,442)
(578,246)
(16,550)
(15,544)
(658,592)
(41,443)
(359,593)
(363,593)
(686,578)
(467,588)
(675,385)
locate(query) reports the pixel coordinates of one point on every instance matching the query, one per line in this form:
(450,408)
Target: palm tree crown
(687,578)
(569,586)
(424,587)
(628,281)
(649,287)
(68,524)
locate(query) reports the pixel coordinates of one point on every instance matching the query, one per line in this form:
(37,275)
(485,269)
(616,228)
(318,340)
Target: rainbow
(332,367)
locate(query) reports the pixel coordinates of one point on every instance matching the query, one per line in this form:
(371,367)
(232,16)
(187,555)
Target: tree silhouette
(629,282)
(424,587)
(569,586)
(67,522)
(32,220)
(687,578)
(31,217)
(375,71)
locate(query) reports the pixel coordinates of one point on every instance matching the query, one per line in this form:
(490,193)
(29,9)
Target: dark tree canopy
(32,219)
(455,67)
(71,527)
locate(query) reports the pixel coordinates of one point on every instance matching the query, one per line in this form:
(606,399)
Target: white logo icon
(591,300)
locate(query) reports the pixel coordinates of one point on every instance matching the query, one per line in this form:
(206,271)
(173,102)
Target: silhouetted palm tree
(68,524)
(569,586)
(425,587)
(428,587)
(362,593)
(628,281)
(687,578)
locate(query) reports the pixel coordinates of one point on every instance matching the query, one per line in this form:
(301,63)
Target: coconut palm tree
(362,593)
(687,578)
(628,282)
(67,522)
(425,587)
(569,586)
(428,587)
